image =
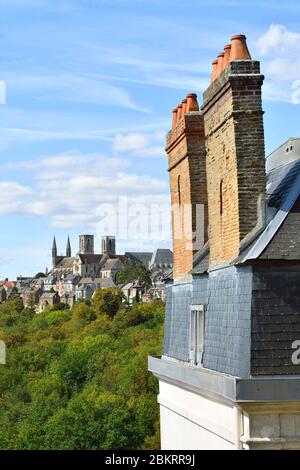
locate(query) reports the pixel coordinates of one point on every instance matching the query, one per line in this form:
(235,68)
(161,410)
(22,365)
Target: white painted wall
(190,421)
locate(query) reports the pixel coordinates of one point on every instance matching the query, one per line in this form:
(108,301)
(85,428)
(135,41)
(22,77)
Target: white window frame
(197,328)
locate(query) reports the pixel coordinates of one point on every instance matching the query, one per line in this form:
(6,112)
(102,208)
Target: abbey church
(86,263)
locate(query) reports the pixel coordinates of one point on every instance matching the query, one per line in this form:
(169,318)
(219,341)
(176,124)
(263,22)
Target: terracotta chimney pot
(184,105)
(239,49)
(192,103)
(214,71)
(174,118)
(226,60)
(179,112)
(220,63)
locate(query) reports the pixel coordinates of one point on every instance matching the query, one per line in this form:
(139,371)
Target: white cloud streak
(71,188)
(279,49)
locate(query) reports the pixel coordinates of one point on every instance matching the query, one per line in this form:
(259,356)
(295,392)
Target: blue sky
(90,85)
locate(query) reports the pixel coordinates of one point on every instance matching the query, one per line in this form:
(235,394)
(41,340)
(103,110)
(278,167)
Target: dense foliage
(78,379)
(136,272)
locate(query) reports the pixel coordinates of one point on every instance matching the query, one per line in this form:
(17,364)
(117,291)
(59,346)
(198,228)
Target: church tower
(54,253)
(68,250)
(108,245)
(86,244)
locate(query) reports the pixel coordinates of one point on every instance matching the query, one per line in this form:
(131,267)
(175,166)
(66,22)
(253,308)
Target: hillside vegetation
(78,379)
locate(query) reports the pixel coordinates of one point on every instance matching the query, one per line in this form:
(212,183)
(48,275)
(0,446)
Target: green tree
(108,301)
(39,275)
(137,272)
(14,294)
(78,379)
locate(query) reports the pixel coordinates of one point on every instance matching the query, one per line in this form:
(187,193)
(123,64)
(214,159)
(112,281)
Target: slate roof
(111,263)
(71,278)
(123,258)
(90,258)
(286,242)
(7,284)
(103,282)
(49,295)
(140,257)
(65,263)
(162,256)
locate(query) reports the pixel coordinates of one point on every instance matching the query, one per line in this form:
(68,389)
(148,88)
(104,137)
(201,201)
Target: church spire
(54,248)
(54,253)
(69,250)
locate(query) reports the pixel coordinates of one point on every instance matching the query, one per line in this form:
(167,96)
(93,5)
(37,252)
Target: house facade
(229,375)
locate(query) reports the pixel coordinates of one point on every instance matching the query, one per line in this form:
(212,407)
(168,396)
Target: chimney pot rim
(184,100)
(238,36)
(174,110)
(228,46)
(214,62)
(221,54)
(191,95)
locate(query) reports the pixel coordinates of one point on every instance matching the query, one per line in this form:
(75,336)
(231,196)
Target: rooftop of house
(162,256)
(86,280)
(112,263)
(85,287)
(29,290)
(49,295)
(90,258)
(7,284)
(65,263)
(103,282)
(73,278)
(140,257)
(278,234)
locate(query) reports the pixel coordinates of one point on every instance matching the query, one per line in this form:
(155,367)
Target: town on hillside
(142,276)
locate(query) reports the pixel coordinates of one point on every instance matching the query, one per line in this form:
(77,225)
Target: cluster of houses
(77,278)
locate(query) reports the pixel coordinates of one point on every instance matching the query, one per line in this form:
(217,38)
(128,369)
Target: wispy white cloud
(279,49)
(278,41)
(9,134)
(71,88)
(141,144)
(71,188)
(2,92)
(13,196)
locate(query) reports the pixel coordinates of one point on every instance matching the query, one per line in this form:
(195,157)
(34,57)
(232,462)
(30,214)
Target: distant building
(133,291)
(23,282)
(111,268)
(30,296)
(3,295)
(161,260)
(48,299)
(50,282)
(84,291)
(8,287)
(67,283)
(140,257)
(68,298)
(86,262)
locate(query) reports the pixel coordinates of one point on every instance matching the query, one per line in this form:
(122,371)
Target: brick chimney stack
(186,156)
(235,156)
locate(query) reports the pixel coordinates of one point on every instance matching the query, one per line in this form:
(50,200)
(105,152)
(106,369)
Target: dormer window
(197,334)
